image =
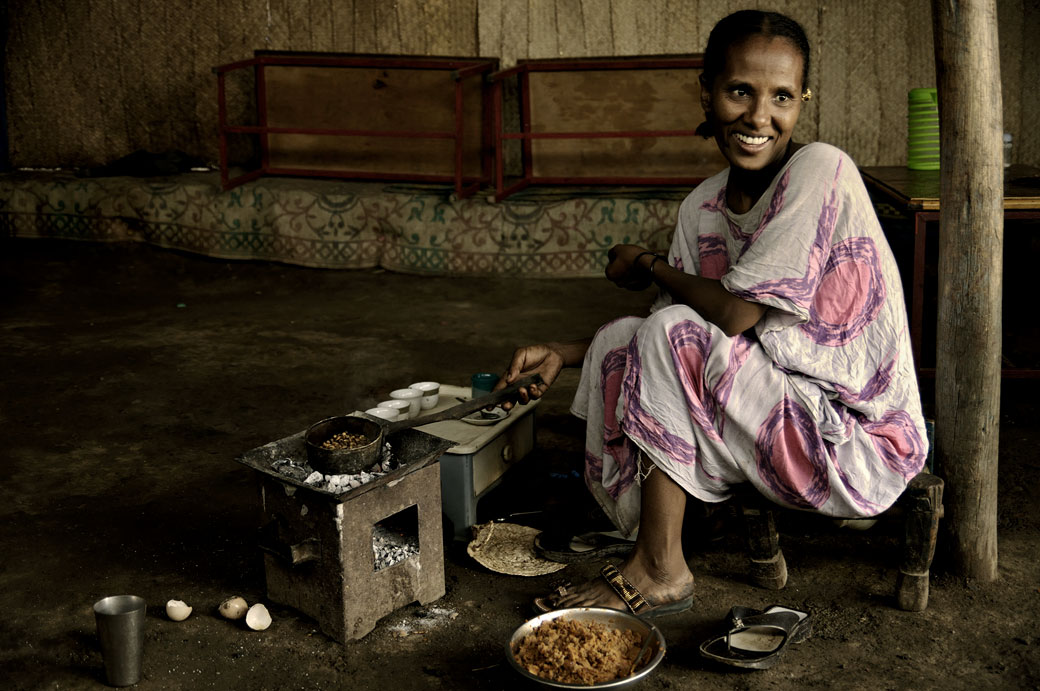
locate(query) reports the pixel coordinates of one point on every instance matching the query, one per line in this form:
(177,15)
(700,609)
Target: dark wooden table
(916,193)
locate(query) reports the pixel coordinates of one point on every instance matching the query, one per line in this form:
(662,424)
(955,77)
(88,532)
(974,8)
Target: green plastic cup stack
(922,143)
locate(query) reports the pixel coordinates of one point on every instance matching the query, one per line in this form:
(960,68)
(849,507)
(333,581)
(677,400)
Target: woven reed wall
(89,81)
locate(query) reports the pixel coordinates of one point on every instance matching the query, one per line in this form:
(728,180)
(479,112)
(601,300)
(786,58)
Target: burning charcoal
(315,479)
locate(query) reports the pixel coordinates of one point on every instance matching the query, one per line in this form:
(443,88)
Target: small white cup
(431,393)
(413,397)
(401,408)
(385,413)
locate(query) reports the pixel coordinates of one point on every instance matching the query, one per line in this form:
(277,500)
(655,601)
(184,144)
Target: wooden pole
(971,241)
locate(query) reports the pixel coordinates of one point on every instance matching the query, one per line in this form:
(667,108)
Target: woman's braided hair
(747,23)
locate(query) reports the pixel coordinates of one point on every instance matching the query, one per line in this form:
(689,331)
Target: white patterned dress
(819,409)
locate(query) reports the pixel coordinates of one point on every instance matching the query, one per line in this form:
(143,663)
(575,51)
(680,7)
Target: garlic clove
(177,610)
(233,608)
(258,618)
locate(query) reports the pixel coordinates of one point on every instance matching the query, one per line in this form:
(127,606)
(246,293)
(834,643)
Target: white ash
(390,547)
(292,469)
(336,484)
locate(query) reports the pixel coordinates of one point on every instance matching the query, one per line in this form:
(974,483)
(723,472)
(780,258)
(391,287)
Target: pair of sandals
(753,638)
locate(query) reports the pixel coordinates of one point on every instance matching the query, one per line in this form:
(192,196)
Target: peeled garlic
(233,608)
(177,610)
(258,618)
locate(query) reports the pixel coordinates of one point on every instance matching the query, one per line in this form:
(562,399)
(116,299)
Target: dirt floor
(132,377)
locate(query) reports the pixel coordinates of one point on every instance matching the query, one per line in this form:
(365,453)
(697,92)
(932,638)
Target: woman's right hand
(545,359)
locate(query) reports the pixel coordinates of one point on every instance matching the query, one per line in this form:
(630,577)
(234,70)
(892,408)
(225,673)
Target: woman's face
(755,101)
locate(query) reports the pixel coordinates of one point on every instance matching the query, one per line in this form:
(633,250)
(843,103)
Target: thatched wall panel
(1027,148)
(91,80)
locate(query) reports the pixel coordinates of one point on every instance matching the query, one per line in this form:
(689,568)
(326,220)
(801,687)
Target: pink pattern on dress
(639,424)
(849,296)
(792,457)
(801,291)
(714,258)
(897,442)
(690,345)
(624,452)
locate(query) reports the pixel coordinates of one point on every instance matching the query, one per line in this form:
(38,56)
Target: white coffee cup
(431,391)
(390,414)
(401,408)
(413,397)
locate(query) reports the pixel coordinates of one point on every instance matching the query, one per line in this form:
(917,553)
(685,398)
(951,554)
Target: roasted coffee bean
(344,440)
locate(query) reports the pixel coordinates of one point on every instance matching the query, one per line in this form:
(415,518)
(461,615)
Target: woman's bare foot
(657,585)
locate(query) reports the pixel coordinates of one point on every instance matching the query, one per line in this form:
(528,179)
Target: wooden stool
(921,504)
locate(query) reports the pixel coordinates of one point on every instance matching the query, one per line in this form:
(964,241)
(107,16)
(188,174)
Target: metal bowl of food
(625,649)
(344,444)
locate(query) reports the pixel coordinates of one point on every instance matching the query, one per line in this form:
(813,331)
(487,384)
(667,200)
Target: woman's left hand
(624,269)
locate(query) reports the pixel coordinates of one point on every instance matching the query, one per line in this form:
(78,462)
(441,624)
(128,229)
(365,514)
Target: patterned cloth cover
(340,224)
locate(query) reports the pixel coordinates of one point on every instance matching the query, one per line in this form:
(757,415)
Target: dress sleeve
(783,254)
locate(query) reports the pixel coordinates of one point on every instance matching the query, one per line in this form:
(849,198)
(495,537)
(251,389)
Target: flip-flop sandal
(570,548)
(801,631)
(756,638)
(633,599)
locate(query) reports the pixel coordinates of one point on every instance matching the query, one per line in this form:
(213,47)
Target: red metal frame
(462,70)
(522,72)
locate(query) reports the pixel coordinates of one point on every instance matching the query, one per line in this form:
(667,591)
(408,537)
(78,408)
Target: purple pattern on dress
(690,344)
(739,351)
(868,507)
(849,296)
(792,457)
(897,442)
(800,291)
(776,202)
(718,206)
(639,423)
(593,468)
(714,258)
(620,447)
(875,386)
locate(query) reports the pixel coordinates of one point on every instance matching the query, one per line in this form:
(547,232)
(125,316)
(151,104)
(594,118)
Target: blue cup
(482,383)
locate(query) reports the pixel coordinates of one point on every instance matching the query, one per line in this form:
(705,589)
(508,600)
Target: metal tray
(411,448)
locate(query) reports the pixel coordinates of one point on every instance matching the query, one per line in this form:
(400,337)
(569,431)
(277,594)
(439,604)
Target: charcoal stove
(319,554)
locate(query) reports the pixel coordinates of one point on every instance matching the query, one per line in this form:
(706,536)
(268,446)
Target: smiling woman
(756,67)
(777,352)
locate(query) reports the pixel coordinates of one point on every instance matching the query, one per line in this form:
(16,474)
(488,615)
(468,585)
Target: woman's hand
(541,359)
(545,359)
(625,268)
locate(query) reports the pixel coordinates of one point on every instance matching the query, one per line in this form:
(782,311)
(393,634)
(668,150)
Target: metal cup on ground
(120,629)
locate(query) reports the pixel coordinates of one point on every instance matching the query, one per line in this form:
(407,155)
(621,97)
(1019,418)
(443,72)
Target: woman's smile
(754,102)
